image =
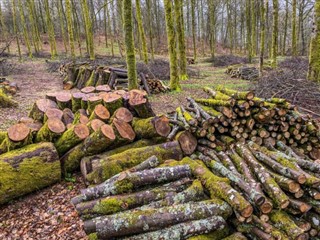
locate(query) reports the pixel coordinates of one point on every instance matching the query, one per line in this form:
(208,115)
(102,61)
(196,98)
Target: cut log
(103,88)
(50,131)
(51,96)
(100,112)
(89,89)
(93,101)
(81,117)
(53,113)
(76,101)
(123,131)
(152,218)
(187,141)
(95,125)
(151,127)
(64,100)
(40,107)
(71,138)
(28,169)
(139,102)
(67,117)
(183,230)
(17,136)
(122,114)
(98,171)
(112,102)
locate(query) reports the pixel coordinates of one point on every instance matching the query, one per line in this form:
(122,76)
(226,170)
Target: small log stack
(84,75)
(243,72)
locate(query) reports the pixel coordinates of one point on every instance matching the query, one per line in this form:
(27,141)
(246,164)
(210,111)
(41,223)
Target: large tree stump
(18,135)
(28,169)
(112,102)
(40,107)
(151,127)
(71,138)
(100,170)
(50,131)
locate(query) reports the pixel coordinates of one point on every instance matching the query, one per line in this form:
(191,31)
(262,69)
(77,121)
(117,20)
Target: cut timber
(122,114)
(139,102)
(67,117)
(28,169)
(95,125)
(184,230)
(50,131)
(103,88)
(100,112)
(40,107)
(89,89)
(93,102)
(99,140)
(53,113)
(81,117)
(51,96)
(98,171)
(187,141)
(76,101)
(64,100)
(151,127)
(71,138)
(154,219)
(123,131)
(112,102)
(236,94)
(18,135)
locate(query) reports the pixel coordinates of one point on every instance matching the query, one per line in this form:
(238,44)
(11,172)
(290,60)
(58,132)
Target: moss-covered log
(80,116)
(127,181)
(183,230)
(236,236)
(94,125)
(112,102)
(151,127)
(64,100)
(187,141)
(122,114)
(123,131)
(236,94)
(28,169)
(71,137)
(50,131)
(40,107)
(17,136)
(76,101)
(6,101)
(154,219)
(93,101)
(100,170)
(67,117)
(53,113)
(100,112)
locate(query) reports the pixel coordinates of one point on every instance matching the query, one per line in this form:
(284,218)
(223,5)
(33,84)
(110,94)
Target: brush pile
(227,60)
(85,75)
(243,72)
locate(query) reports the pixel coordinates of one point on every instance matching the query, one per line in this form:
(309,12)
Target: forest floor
(48,214)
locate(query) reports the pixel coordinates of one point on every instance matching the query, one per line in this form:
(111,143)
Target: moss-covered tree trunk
(129,43)
(149,20)
(249,30)
(181,39)
(89,29)
(141,32)
(50,28)
(193,20)
(294,50)
(174,76)
(285,28)
(254,27)
(70,28)
(62,26)
(314,57)
(111,31)
(36,41)
(25,30)
(274,51)
(211,10)
(4,27)
(15,29)
(262,33)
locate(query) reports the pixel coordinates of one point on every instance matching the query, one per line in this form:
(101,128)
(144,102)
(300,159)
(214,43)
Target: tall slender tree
(70,28)
(180,39)
(212,41)
(193,20)
(249,30)
(262,32)
(62,26)
(141,32)
(50,28)
(89,28)
(129,43)
(294,28)
(174,75)
(253,27)
(285,28)
(25,30)
(149,13)
(275,31)
(4,28)
(15,28)
(314,55)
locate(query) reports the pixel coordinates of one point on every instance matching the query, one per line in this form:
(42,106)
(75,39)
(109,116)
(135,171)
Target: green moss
(215,235)
(32,173)
(93,236)
(108,206)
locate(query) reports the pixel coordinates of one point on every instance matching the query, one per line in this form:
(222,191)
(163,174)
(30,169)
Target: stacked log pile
(78,125)
(84,75)
(7,90)
(265,184)
(243,72)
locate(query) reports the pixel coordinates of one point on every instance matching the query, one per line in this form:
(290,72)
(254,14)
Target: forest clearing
(173,119)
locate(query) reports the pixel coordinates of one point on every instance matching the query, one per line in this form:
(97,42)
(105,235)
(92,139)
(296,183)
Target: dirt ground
(48,214)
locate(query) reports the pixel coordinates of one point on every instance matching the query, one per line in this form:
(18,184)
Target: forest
(160,119)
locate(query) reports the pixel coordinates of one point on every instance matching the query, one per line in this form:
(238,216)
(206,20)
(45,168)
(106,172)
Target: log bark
(50,131)
(99,170)
(93,101)
(67,117)
(76,101)
(151,127)
(152,218)
(28,169)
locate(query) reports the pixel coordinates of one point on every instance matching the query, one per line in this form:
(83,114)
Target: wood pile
(7,89)
(243,72)
(84,75)
(66,127)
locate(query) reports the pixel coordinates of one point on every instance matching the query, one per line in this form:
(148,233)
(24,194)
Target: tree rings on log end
(124,114)
(56,125)
(54,113)
(82,131)
(108,132)
(95,124)
(89,89)
(124,129)
(187,141)
(18,132)
(162,125)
